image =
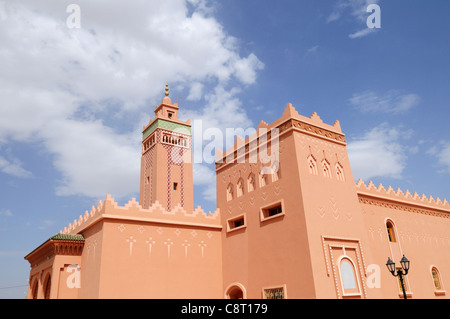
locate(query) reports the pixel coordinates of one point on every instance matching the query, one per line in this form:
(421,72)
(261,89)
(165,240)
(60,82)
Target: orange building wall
(422,231)
(325,222)
(91,259)
(54,266)
(271,252)
(143,250)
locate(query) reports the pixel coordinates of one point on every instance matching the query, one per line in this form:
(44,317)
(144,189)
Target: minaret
(166,162)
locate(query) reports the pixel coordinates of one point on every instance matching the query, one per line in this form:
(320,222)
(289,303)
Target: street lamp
(405,266)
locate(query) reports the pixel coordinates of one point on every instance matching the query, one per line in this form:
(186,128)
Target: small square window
(272,211)
(236,223)
(274,292)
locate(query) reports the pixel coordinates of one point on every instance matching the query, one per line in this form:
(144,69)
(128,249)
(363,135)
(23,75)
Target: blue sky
(73,100)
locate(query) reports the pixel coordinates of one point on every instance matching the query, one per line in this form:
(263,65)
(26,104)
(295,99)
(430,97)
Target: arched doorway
(235,291)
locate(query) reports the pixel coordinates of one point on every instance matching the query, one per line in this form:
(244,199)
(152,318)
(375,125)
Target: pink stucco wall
(323,223)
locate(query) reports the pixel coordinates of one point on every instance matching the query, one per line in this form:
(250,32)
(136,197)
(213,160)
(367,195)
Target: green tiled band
(167,125)
(76,237)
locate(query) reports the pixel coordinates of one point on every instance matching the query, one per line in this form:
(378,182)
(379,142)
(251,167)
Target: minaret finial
(167,89)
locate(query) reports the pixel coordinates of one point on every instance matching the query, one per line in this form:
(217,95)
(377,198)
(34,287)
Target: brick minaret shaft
(166,162)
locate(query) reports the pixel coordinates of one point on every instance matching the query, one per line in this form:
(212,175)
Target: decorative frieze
(387,203)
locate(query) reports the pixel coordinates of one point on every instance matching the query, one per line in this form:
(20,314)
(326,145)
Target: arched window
(240,188)
(262,179)
(275,171)
(348,275)
(312,165)
(251,182)
(339,172)
(326,168)
(390,231)
(47,287)
(229,192)
(34,291)
(349,279)
(436,279)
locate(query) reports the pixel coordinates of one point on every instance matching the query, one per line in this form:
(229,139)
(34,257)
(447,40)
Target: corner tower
(287,230)
(166,162)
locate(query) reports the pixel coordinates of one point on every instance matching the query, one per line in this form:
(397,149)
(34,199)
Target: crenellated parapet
(290,121)
(397,199)
(132,211)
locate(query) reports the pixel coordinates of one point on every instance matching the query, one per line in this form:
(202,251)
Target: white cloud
(204,175)
(210,192)
(442,152)
(64,87)
(245,69)
(358,9)
(6,212)
(379,153)
(92,158)
(196,91)
(334,16)
(313,49)
(222,111)
(361,33)
(13,168)
(391,102)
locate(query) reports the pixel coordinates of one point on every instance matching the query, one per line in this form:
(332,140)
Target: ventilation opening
(236,223)
(272,211)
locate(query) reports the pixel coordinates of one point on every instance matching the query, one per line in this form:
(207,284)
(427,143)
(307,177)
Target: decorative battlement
(314,120)
(403,198)
(290,120)
(134,212)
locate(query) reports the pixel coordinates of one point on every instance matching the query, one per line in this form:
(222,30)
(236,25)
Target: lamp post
(400,273)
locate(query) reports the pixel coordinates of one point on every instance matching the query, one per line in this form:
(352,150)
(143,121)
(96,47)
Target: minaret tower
(166,162)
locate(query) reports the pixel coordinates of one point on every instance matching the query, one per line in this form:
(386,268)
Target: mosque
(290,223)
